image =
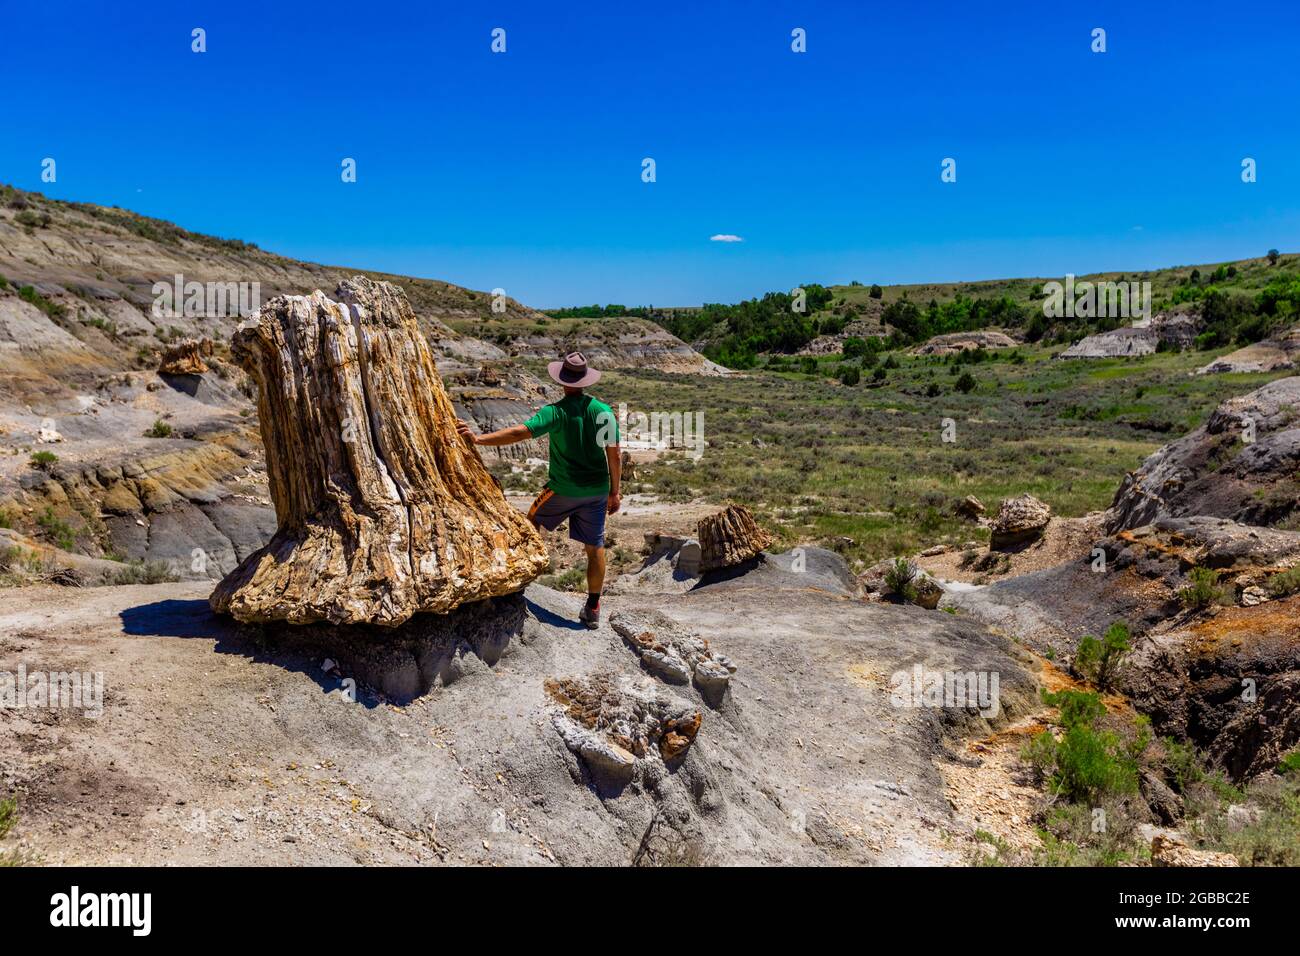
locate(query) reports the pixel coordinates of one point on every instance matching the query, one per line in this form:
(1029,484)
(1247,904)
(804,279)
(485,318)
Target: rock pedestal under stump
(383,510)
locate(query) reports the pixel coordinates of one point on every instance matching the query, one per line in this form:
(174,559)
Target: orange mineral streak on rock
(383,510)
(1276,621)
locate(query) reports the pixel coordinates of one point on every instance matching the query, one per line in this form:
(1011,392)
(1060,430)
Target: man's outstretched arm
(506,436)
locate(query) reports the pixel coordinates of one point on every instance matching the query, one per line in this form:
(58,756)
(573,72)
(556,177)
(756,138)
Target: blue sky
(522,170)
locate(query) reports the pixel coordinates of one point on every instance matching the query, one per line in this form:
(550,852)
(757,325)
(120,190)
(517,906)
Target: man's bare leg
(590,615)
(595,568)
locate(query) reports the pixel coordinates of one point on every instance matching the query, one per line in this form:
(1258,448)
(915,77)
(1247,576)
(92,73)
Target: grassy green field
(820,462)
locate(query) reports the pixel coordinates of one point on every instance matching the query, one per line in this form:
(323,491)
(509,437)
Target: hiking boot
(590,616)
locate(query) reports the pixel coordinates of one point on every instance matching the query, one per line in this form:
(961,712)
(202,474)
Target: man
(583,484)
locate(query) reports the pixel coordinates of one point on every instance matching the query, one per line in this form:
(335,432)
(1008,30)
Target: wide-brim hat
(573,371)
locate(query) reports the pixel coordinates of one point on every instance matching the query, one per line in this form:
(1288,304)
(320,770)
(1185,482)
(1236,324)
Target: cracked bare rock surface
(804,760)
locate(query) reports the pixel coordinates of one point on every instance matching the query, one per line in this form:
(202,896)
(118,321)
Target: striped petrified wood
(728,538)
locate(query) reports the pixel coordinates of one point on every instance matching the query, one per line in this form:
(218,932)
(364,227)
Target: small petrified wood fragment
(186,358)
(728,538)
(383,509)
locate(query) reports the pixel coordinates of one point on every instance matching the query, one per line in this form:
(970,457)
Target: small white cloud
(725,237)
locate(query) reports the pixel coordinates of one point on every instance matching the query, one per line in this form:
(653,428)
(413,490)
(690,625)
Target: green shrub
(1203,591)
(29,295)
(1070,837)
(1183,764)
(57,530)
(966,382)
(850,375)
(1096,659)
(140,572)
(159,429)
(8,815)
(1040,754)
(43,460)
(1284,582)
(572,579)
(1290,764)
(1271,837)
(899,578)
(855,347)
(1088,762)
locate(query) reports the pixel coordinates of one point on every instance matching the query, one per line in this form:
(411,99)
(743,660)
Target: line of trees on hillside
(767,324)
(911,324)
(736,335)
(612,311)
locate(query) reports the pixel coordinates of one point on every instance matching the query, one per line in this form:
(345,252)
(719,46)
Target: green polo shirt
(580,428)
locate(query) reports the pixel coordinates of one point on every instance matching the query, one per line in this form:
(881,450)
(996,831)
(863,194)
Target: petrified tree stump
(186,358)
(728,538)
(383,509)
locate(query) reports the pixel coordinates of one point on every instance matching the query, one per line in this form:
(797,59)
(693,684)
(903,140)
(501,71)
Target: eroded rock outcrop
(1170,850)
(382,509)
(1176,331)
(498,394)
(1243,556)
(1228,682)
(1241,464)
(954,342)
(730,537)
(614,343)
(611,723)
(1278,352)
(674,654)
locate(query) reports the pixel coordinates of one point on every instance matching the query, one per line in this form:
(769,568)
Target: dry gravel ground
(221,745)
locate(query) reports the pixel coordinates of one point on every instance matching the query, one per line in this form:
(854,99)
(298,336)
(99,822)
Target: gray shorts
(586,515)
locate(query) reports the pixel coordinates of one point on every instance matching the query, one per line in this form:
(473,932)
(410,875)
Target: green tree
(854,347)
(905,317)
